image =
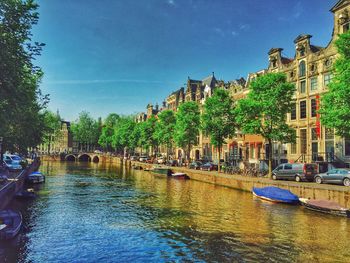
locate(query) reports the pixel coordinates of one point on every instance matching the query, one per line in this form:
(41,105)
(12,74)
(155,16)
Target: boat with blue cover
(276,195)
(36,178)
(10,224)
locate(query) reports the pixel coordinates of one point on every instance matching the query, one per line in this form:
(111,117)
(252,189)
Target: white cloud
(234,33)
(171,2)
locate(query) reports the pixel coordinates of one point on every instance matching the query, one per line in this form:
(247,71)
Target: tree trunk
(219,155)
(270,158)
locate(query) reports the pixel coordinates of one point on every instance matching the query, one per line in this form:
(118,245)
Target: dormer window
(302,52)
(302,69)
(328,63)
(346,27)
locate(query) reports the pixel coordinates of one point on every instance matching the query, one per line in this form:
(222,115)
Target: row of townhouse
(311,71)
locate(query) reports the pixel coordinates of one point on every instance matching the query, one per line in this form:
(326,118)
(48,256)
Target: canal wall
(336,193)
(11,188)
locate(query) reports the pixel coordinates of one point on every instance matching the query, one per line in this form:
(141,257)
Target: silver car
(334,176)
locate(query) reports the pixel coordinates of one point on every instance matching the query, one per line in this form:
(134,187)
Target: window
(314,136)
(347,146)
(287,167)
(303,141)
(329,134)
(293,148)
(303,109)
(302,69)
(313,83)
(313,108)
(302,86)
(327,78)
(346,27)
(293,114)
(302,52)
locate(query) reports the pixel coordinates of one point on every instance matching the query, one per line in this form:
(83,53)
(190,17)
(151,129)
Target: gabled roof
(339,5)
(315,48)
(302,37)
(285,60)
(210,81)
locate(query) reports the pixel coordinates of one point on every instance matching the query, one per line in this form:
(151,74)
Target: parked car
(195,165)
(13,158)
(295,171)
(209,167)
(161,160)
(172,163)
(143,158)
(334,176)
(134,158)
(12,165)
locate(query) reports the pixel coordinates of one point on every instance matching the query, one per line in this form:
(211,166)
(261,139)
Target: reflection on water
(97,213)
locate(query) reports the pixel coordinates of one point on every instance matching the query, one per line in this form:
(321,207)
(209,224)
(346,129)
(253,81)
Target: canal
(96,213)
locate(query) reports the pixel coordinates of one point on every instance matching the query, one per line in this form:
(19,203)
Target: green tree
(107,132)
(148,134)
(165,129)
(335,104)
(218,119)
(52,127)
(122,134)
(21,102)
(85,131)
(187,126)
(264,110)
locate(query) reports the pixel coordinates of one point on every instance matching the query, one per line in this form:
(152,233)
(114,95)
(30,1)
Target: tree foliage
(107,132)
(265,109)
(122,133)
(335,104)
(187,126)
(52,124)
(218,118)
(21,102)
(85,131)
(164,132)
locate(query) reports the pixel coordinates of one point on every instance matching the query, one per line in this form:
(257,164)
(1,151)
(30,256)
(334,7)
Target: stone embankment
(336,193)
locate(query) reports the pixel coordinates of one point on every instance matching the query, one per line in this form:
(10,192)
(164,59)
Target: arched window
(302,69)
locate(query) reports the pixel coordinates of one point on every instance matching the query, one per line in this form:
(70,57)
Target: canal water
(95,213)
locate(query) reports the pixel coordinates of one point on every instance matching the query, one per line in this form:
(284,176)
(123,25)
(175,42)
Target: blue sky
(119,55)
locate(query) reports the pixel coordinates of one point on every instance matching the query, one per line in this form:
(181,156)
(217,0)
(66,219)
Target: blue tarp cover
(276,193)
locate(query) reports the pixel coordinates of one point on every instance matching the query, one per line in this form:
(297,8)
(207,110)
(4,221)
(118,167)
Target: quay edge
(335,193)
(10,189)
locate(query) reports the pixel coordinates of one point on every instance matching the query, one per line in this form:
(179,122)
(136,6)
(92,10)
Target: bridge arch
(95,159)
(70,158)
(84,158)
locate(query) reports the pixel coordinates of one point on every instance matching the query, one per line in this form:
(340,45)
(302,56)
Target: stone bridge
(83,157)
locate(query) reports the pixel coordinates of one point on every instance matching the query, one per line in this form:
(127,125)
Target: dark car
(195,165)
(295,172)
(334,176)
(209,167)
(172,163)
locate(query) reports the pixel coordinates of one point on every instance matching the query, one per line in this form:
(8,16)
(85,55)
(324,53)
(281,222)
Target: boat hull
(322,209)
(162,171)
(13,222)
(275,195)
(181,176)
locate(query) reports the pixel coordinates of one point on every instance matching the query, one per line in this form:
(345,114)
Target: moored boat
(180,176)
(36,178)
(161,170)
(325,206)
(27,194)
(10,224)
(275,195)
